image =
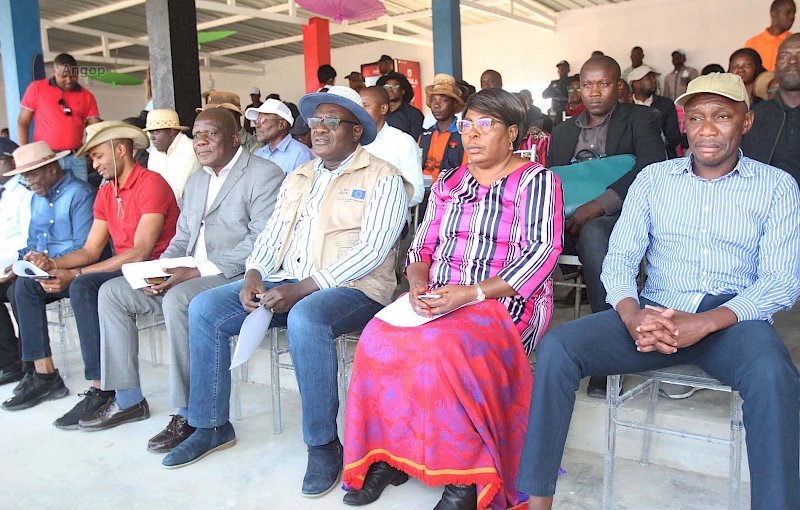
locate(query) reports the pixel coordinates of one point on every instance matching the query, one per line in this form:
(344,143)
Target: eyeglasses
(573,90)
(67,109)
(391,87)
(331,123)
(773,91)
(481,125)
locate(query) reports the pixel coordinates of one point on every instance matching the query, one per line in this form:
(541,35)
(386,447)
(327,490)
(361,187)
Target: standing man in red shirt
(138,213)
(61,108)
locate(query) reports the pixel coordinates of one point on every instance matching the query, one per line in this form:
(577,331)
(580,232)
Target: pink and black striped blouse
(513,228)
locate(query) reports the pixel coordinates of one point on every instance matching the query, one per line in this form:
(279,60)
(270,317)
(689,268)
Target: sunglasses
(773,91)
(573,90)
(331,123)
(67,109)
(391,87)
(481,125)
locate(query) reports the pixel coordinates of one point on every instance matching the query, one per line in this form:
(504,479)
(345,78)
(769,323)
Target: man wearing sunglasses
(402,115)
(62,108)
(323,266)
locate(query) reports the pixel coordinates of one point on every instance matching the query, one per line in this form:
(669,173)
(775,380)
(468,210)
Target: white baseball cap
(255,90)
(271,106)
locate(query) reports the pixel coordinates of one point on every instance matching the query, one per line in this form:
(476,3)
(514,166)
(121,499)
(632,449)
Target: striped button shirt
(513,229)
(737,234)
(380,227)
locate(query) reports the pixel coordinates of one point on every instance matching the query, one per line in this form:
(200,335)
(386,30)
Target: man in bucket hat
(173,158)
(56,221)
(441,143)
(721,233)
(137,212)
(323,267)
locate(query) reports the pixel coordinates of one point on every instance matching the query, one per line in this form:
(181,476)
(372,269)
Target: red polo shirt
(144,192)
(52,125)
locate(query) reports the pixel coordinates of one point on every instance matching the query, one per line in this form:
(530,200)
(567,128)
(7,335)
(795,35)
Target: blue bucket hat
(348,99)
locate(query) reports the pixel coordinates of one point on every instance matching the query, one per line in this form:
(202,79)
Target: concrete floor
(43,467)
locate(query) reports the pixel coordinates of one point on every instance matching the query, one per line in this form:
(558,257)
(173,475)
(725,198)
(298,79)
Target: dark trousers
(31,301)
(9,344)
(748,356)
(591,248)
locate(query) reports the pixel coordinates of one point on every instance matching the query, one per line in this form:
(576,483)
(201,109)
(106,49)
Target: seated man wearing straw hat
(174,158)
(230,101)
(53,220)
(226,206)
(323,266)
(441,143)
(137,212)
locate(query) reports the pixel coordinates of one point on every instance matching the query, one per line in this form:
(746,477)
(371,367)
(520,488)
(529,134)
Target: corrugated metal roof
(131,22)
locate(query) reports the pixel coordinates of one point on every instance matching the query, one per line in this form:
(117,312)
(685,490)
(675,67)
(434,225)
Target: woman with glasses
(445,402)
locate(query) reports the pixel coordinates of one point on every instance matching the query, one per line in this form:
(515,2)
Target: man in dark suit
(605,127)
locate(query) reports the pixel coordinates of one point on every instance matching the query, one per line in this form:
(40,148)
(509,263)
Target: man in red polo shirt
(61,108)
(138,213)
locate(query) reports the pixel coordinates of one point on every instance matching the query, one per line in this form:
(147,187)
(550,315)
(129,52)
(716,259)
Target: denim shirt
(60,222)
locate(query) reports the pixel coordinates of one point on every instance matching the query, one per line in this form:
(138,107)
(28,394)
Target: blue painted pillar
(21,40)
(447,37)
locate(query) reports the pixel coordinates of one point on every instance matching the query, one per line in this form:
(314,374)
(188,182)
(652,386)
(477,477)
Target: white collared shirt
(15,215)
(214,186)
(175,165)
(646,102)
(399,149)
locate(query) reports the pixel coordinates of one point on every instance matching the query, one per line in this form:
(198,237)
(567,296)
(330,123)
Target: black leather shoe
(11,373)
(323,470)
(597,387)
(379,476)
(458,497)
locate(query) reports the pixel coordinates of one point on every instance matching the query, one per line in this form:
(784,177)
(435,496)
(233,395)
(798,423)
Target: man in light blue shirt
(721,233)
(274,122)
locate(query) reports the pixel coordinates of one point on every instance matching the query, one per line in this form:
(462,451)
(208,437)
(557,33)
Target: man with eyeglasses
(61,108)
(575,104)
(322,267)
(274,122)
(402,115)
(773,139)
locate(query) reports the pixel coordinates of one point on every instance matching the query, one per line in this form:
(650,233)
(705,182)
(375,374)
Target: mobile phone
(156,280)
(429,296)
(48,277)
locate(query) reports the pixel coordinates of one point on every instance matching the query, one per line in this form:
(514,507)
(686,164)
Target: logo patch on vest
(352,194)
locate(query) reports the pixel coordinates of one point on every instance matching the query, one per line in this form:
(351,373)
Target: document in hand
(252,333)
(402,315)
(137,272)
(7,259)
(25,269)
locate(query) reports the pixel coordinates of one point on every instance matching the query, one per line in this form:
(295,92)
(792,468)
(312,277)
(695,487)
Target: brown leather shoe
(111,415)
(176,432)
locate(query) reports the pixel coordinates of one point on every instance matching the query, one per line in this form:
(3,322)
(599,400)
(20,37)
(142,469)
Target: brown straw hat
(445,85)
(32,156)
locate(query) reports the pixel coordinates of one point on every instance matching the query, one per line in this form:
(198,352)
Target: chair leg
(578,295)
(612,405)
(275,377)
(237,392)
(62,333)
(343,383)
(735,473)
(651,414)
(151,331)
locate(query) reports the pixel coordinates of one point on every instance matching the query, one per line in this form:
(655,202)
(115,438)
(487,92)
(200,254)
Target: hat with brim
(640,72)
(7,147)
(348,99)
(761,85)
(163,119)
(402,80)
(32,156)
(722,84)
(271,106)
(445,85)
(222,99)
(226,106)
(113,130)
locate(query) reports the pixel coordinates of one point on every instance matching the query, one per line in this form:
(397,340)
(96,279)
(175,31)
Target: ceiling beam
(505,15)
(520,4)
(206,5)
(99,11)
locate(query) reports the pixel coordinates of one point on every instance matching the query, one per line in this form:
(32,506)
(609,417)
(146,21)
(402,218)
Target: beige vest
(338,226)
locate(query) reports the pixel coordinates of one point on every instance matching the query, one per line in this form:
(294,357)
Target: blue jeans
(31,302)
(591,248)
(312,326)
(748,356)
(77,165)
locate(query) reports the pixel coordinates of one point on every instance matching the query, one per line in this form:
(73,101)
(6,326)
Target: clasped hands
(450,298)
(665,330)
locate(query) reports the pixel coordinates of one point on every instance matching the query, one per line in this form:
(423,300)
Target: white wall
(708,30)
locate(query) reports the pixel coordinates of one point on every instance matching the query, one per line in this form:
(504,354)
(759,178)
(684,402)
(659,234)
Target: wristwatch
(481,295)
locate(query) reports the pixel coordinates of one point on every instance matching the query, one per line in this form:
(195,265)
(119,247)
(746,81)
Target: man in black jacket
(606,127)
(775,136)
(402,115)
(644,82)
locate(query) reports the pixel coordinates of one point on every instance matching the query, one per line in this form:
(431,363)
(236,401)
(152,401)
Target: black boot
(379,476)
(458,497)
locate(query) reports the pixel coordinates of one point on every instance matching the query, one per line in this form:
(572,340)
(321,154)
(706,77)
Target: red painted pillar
(316,49)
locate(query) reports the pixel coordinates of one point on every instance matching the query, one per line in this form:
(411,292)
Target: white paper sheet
(7,258)
(136,272)
(401,314)
(25,269)
(252,333)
